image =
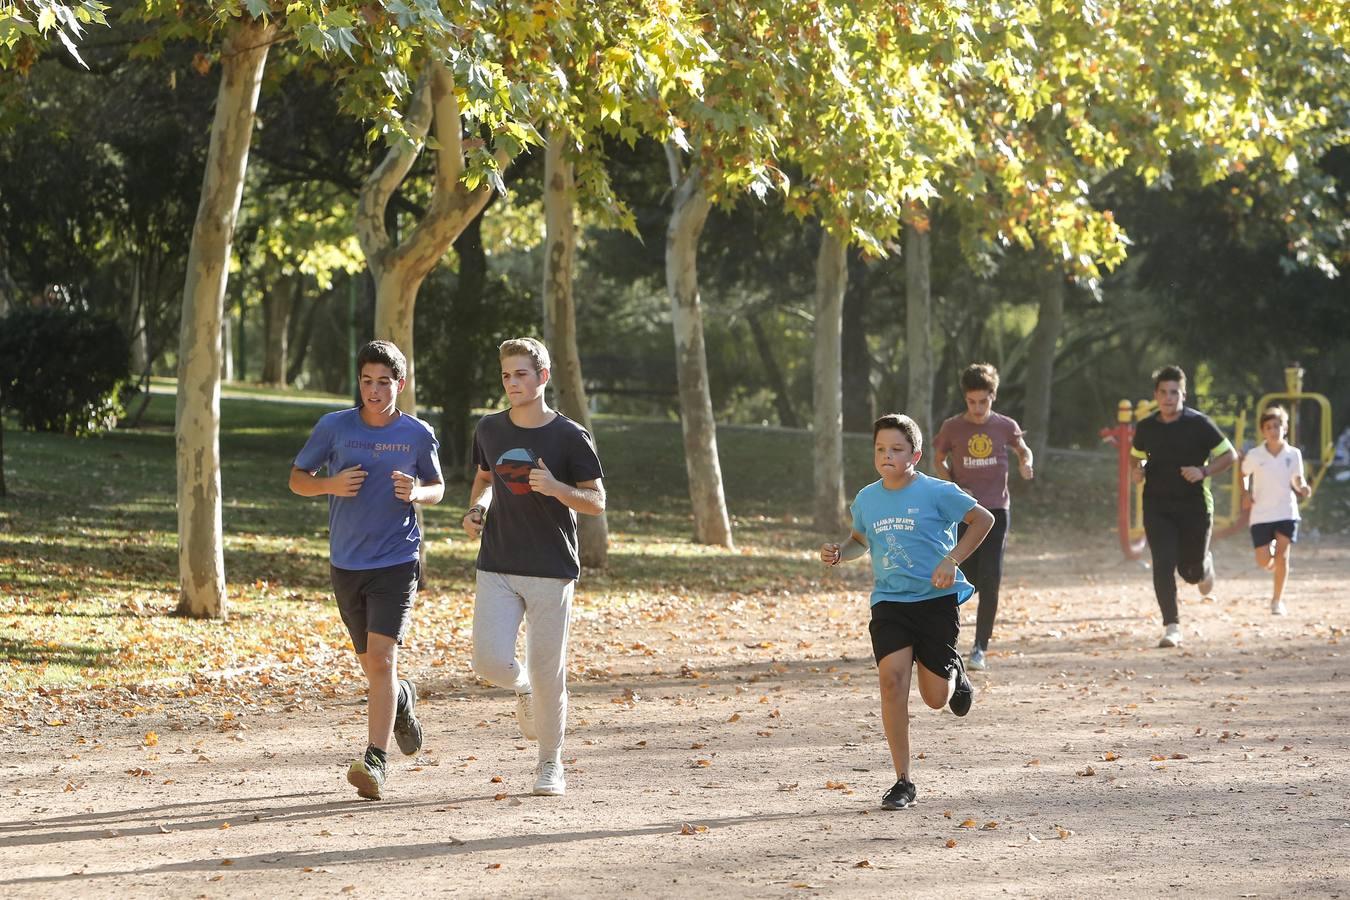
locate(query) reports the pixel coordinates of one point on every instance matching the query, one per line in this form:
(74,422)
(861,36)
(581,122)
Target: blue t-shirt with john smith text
(908,532)
(374,529)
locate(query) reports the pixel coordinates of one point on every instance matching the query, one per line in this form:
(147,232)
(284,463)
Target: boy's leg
(894,673)
(1163,537)
(936,690)
(380,663)
(497,613)
(1195,564)
(990,574)
(548,608)
(1265,557)
(1283,546)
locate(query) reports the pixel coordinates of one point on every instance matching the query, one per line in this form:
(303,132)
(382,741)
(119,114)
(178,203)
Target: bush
(62,370)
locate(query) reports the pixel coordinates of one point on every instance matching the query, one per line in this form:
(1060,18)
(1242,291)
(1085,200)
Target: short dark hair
(1274,412)
(1169,373)
(979,377)
(385,353)
(902,423)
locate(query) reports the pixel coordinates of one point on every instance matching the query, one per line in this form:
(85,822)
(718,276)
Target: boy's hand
(1027,471)
(830,554)
(1304,490)
(1193,473)
(542,480)
(473,523)
(944,576)
(1247,501)
(403,485)
(347,483)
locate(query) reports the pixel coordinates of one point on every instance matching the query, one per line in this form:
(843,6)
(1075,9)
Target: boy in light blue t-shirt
(907,522)
(379,461)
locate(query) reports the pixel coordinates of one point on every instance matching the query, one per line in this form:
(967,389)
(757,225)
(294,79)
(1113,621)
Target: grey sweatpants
(545,604)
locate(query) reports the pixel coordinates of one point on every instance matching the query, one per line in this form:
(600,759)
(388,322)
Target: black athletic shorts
(1264,533)
(929,626)
(378,600)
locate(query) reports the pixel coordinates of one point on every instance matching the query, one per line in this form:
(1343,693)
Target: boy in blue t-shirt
(907,521)
(380,461)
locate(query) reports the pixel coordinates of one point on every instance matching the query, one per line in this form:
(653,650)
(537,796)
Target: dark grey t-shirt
(526,533)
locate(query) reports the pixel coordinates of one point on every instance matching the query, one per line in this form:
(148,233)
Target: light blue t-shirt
(908,532)
(374,529)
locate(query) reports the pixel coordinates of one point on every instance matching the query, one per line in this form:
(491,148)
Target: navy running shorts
(1264,533)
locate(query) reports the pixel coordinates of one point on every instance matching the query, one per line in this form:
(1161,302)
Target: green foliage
(61,370)
(27,25)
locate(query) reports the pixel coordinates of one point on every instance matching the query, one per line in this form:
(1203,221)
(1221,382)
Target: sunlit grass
(88,546)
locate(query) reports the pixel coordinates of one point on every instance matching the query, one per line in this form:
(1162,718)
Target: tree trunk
(560,322)
(277,305)
(399,269)
(689,212)
(468,308)
(201,561)
(303,335)
(918,336)
(857,362)
(136,319)
(226,348)
(827,379)
(773,373)
(1041,360)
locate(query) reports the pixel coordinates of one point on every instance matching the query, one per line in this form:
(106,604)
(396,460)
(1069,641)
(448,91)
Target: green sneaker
(407,730)
(367,776)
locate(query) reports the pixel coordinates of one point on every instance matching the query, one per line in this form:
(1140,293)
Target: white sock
(553,756)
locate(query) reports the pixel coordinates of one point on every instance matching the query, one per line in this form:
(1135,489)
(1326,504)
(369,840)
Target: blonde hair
(527,346)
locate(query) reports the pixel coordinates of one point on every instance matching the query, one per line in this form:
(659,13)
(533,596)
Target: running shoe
(1277,608)
(1206,584)
(1171,636)
(976,663)
(368,777)
(549,780)
(525,716)
(964,693)
(900,796)
(407,730)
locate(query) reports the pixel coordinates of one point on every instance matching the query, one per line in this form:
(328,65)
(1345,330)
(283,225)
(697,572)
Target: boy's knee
(493,668)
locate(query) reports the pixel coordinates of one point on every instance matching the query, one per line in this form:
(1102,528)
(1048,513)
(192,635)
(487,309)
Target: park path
(738,752)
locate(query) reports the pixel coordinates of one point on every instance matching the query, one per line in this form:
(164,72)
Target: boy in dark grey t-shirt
(536,469)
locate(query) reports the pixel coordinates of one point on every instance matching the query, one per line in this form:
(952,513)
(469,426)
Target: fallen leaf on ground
(950,843)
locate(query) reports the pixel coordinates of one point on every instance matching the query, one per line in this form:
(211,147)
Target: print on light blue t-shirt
(908,532)
(374,529)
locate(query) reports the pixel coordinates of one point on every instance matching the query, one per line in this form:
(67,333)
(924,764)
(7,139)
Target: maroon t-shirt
(978,456)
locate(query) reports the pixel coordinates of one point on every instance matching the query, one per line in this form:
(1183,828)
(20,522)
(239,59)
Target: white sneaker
(976,662)
(1206,584)
(525,716)
(549,780)
(1171,636)
(1277,608)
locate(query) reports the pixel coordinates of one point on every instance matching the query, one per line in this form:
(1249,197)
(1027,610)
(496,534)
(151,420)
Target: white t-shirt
(1273,497)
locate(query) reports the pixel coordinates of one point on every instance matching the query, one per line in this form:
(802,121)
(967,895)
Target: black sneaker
(959,704)
(407,730)
(899,796)
(368,777)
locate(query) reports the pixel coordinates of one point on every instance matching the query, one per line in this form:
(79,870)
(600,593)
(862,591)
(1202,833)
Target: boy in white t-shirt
(1275,471)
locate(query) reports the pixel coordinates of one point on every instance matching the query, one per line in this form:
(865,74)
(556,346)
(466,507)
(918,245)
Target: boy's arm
(587,497)
(480,498)
(1213,467)
(410,490)
(852,547)
(1027,467)
(344,484)
(978,520)
(940,468)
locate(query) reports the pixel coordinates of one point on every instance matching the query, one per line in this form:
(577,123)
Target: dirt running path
(1091,765)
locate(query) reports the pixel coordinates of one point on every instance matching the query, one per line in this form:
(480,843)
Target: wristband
(482,510)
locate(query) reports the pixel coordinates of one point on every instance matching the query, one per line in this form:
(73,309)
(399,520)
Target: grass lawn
(88,559)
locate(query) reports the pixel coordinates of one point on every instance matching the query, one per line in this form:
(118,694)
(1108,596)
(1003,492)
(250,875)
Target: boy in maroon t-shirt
(972,450)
